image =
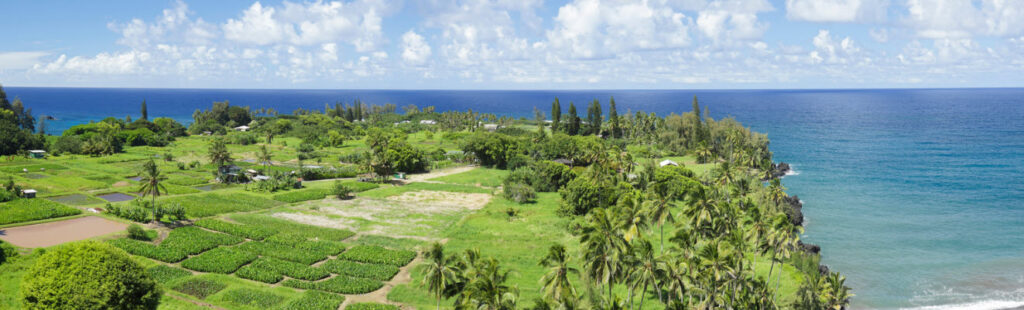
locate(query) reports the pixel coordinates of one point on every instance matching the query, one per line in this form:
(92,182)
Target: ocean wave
(792,171)
(978,305)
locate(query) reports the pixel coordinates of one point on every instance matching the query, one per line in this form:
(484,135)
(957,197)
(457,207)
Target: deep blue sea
(917,196)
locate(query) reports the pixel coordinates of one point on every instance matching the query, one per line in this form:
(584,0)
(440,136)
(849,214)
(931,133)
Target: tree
(88,275)
(264,156)
(594,118)
(555,284)
(306,151)
(573,128)
(440,272)
(613,117)
(556,116)
(152,185)
(649,270)
(602,245)
(218,153)
(145,112)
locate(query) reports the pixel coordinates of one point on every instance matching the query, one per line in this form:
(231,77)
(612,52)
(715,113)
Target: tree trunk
(642,294)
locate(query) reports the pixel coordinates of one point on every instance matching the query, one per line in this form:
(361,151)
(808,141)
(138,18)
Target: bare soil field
(54,233)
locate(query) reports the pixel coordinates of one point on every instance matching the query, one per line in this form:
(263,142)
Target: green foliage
(272,270)
(293,229)
(316,300)
(88,275)
(341,190)
(247,231)
(371,306)
(549,176)
(146,249)
(338,284)
(199,287)
(301,195)
(219,260)
(581,195)
(302,251)
(136,232)
(492,149)
(378,255)
(164,273)
(7,251)
(203,205)
(23,210)
(519,192)
(360,270)
(132,212)
(253,298)
(193,240)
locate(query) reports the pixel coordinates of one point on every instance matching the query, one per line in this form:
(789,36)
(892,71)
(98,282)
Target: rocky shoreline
(794,210)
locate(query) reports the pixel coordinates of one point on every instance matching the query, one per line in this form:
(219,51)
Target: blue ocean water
(917,196)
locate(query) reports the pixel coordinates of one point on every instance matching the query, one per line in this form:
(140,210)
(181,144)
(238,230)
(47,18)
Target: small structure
(38,154)
(251,173)
(491,127)
(207,133)
(427,122)
(668,162)
(28,193)
(228,173)
(242,128)
(402,122)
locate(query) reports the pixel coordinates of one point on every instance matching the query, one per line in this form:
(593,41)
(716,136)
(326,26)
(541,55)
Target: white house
(242,128)
(668,163)
(427,122)
(491,127)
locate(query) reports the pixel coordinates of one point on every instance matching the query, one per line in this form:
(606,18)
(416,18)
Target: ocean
(917,196)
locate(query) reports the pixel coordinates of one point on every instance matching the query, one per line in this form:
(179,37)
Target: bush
(219,260)
(371,306)
(338,284)
(316,300)
(136,232)
(257,273)
(129,212)
(378,255)
(68,144)
(163,274)
(24,210)
(7,251)
(360,270)
(200,288)
(271,270)
(173,211)
(247,231)
(549,176)
(519,192)
(253,298)
(88,275)
(341,190)
(492,149)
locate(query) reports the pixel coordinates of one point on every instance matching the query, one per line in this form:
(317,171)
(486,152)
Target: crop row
(338,284)
(281,225)
(163,274)
(146,249)
(360,270)
(252,298)
(23,210)
(271,270)
(302,195)
(378,255)
(371,306)
(200,288)
(284,251)
(219,260)
(316,300)
(246,231)
(202,205)
(194,240)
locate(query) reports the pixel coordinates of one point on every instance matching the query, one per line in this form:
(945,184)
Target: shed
(668,162)
(37,153)
(491,127)
(242,128)
(28,193)
(428,122)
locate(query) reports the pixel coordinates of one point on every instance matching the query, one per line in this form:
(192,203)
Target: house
(427,122)
(28,193)
(38,154)
(242,128)
(491,127)
(668,163)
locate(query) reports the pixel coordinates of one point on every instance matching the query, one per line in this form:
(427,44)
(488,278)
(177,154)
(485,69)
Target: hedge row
(316,300)
(146,249)
(360,270)
(378,255)
(194,240)
(219,260)
(338,284)
(246,231)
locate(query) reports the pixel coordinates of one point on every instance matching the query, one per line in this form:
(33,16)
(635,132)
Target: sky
(513,44)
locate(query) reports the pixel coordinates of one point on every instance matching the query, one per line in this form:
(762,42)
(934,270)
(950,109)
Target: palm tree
(602,244)
(776,192)
(703,152)
(555,284)
(439,274)
(264,156)
(649,270)
(218,153)
(702,210)
(152,184)
(631,216)
(838,294)
(715,263)
(487,289)
(785,236)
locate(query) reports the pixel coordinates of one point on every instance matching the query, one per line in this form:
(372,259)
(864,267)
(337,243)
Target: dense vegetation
(88,275)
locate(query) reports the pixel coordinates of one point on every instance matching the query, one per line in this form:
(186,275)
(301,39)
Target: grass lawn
(478,177)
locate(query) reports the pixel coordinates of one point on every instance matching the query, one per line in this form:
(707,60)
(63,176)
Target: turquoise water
(917,196)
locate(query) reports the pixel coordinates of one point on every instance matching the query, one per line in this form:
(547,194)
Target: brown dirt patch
(437,173)
(121,184)
(438,201)
(54,233)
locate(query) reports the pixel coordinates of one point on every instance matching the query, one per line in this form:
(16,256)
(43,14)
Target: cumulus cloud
(837,10)
(728,22)
(357,23)
(415,49)
(953,19)
(829,50)
(591,28)
(20,60)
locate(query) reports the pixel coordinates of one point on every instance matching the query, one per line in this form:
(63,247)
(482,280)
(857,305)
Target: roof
(29,191)
(37,151)
(668,162)
(428,121)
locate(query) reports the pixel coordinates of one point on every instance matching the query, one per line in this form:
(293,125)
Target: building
(39,154)
(491,127)
(668,163)
(427,122)
(242,128)
(28,193)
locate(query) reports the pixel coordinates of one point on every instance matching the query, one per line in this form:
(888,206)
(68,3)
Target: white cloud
(727,22)
(591,28)
(20,60)
(837,10)
(954,19)
(357,23)
(103,63)
(830,51)
(415,49)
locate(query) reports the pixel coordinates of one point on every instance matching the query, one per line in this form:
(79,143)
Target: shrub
(163,274)
(251,297)
(146,249)
(316,300)
(341,190)
(519,192)
(173,211)
(338,284)
(88,275)
(7,251)
(257,273)
(130,212)
(23,210)
(378,255)
(200,288)
(360,270)
(371,306)
(136,232)
(219,260)
(247,231)
(550,176)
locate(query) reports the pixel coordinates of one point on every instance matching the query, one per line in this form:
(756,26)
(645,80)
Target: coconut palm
(218,153)
(784,237)
(487,290)
(714,259)
(703,152)
(439,273)
(602,245)
(264,156)
(649,270)
(702,210)
(555,284)
(838,294)
(776,192)
(152,185)
(631,216)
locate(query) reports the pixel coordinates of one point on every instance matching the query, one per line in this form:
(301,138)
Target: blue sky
(514,44)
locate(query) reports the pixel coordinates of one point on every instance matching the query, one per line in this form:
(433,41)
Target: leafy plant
(199,287)
(316,300)
(219,260)
(360,270)
(378,255)
(163,273)
(337,284)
